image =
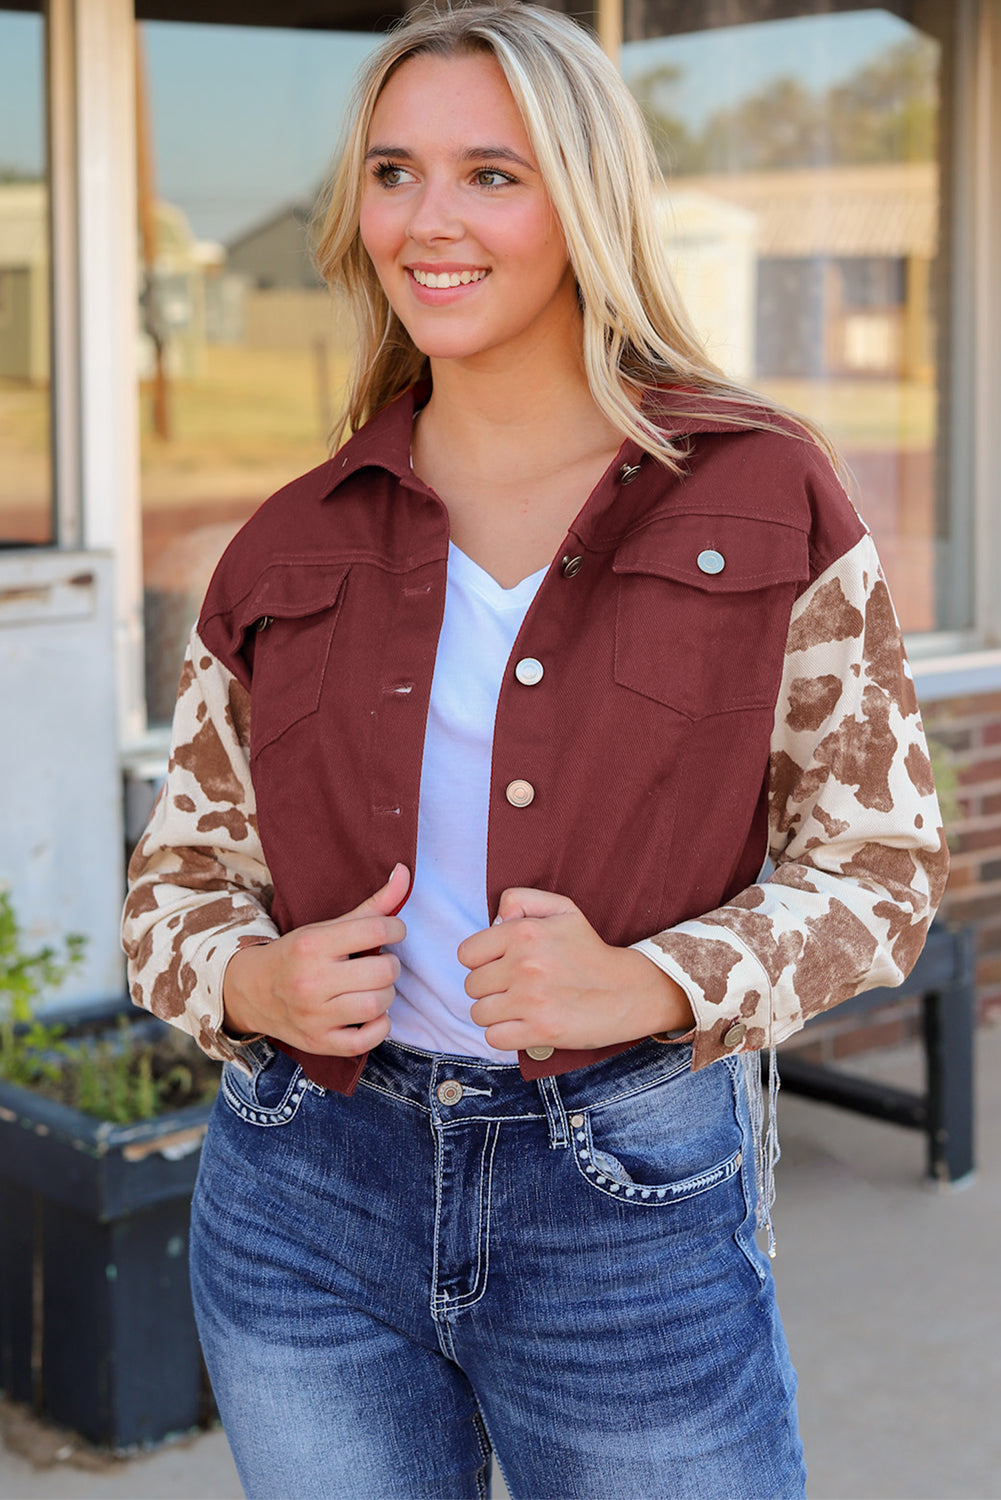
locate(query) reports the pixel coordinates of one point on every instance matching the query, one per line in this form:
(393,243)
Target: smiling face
(456,219)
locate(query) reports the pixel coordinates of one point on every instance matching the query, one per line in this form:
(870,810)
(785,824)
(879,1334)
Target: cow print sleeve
(199,889)
(855,835)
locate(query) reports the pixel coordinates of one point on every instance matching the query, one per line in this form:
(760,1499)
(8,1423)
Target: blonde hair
(598,165)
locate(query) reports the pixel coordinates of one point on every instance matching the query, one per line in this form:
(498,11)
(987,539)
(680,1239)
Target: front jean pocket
(273,1091)
(663,1144)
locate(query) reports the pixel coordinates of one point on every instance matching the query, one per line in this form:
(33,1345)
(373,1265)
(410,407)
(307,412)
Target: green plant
(114,1074)
(29,1048)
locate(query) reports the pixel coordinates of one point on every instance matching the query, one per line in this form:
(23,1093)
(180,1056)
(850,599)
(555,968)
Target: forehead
(465,97)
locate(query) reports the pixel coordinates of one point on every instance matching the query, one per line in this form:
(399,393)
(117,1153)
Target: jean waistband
(455,1088)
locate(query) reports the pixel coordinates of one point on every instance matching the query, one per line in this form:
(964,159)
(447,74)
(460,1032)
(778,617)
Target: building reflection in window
(25,464)
(803,217)
(242,351)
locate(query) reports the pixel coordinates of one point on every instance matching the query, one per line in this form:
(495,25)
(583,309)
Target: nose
(434,215)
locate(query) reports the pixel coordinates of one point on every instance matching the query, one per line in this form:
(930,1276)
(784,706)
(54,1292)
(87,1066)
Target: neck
(513,415)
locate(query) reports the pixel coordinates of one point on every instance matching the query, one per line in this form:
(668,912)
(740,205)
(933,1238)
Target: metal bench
(943,981)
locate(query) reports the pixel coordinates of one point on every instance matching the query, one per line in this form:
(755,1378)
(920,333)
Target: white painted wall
(61,837)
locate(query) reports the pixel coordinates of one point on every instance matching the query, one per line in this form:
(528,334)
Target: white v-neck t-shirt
(448,901)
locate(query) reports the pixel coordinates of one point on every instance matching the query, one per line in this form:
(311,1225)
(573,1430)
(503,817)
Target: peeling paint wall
(61,839)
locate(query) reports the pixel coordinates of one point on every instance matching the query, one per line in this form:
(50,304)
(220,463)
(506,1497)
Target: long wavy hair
(598,165)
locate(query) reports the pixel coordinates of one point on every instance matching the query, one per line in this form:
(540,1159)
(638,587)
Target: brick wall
(965,737)
(966,741)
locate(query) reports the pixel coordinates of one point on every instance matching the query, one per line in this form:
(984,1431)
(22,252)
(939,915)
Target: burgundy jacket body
(646,741)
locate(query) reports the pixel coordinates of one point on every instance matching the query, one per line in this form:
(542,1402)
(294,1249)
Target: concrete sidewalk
(891,1297)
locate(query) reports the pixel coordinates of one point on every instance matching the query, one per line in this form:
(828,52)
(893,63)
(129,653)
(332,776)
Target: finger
(482,947)
(492,1009)
(359,1008)
(349,1041)
(372,971)
(508,1036)
(488,979)
(354,936)
(388,899)
(523,901)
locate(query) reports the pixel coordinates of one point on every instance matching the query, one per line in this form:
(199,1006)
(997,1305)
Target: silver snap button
(520,793)
(571,566)
(540,1053)
(628,473)
(710,561)
(529,671)
(449,1092)
(735,1035)
(576,1121)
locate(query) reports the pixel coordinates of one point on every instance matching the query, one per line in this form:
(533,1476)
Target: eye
(390,173)
(492,177)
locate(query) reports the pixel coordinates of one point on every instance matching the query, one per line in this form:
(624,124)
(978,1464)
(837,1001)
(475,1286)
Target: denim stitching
(559,1129)
(496,1455)
(486,1453)
(377,1088)
(646,1195)
(639,1088)
(262,1115)
(488,1154)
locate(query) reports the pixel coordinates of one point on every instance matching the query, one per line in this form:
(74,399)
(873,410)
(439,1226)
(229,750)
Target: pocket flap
(719,554)
(291,591)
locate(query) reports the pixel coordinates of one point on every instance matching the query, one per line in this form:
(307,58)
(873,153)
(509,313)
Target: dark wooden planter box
(96,1326)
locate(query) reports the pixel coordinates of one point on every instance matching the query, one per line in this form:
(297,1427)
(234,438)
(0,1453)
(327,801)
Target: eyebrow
(475,153)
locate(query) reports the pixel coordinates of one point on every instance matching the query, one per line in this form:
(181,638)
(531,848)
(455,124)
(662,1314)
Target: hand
(309,989)
(541,976)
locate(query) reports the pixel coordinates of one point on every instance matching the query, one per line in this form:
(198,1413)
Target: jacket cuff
(726,986)
(211,961)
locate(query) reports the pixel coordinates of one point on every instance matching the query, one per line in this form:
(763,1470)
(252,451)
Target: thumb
(522,901)
(388,899)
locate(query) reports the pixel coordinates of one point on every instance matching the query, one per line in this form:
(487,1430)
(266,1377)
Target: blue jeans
(455,1263)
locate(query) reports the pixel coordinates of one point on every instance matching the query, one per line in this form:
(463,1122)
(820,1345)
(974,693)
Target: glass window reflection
(803,217)
(25,464)
(242,351)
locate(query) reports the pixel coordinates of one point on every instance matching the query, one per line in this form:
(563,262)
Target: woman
(481,1173)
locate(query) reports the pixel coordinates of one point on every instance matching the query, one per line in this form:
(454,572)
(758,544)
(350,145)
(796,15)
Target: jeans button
(449,1092)
(540,1053)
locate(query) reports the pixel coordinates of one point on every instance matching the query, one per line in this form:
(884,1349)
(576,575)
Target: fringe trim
(764,1135)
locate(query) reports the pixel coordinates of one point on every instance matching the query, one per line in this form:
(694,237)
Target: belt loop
(559,1128)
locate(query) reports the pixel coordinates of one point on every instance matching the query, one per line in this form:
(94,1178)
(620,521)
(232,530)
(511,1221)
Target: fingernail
(498,919)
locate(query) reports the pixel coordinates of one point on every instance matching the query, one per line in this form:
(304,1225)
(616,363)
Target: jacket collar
(384,441)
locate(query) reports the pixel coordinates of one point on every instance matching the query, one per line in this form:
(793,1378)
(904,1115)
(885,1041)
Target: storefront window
(242,353)
(25,464)
(804,217)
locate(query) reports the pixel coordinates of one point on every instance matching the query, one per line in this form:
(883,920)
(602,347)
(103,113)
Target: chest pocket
(703,610)
(288,623)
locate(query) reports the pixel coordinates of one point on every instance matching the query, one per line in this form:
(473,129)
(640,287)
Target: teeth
(446,278)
